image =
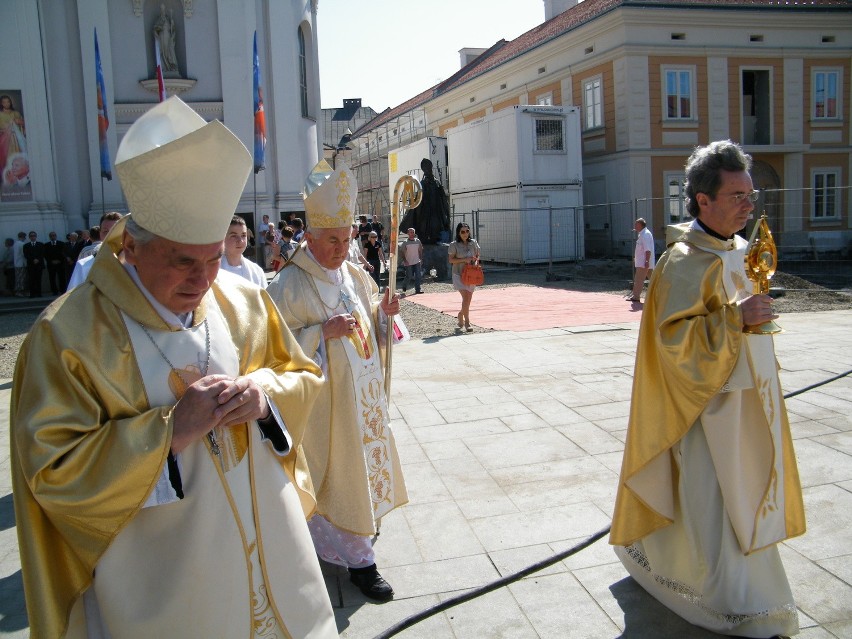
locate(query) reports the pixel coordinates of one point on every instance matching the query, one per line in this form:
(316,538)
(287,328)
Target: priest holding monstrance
(156,415)
(709,484)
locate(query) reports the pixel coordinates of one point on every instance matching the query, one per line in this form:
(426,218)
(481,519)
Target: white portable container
(516,175)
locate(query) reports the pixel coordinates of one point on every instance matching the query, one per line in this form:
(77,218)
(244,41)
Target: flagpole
(103,200)
(258,249)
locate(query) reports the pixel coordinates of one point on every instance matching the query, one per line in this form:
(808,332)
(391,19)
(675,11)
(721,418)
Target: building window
(545,99)
(678,87)
(303,73)
(675,199)
(826,198)
(548,135)
(826,92)
(593,103)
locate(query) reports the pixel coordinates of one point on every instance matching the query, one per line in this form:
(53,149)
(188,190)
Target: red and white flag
(161,86)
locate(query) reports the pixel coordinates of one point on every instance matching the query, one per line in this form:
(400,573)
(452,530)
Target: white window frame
(545,99)
(838,106)
(669,203)
(678,69)
(597,120)
(821,216)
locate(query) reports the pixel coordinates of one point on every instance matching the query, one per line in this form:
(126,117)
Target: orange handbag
(472,275)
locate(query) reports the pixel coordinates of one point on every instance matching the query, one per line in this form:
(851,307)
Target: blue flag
(103,118)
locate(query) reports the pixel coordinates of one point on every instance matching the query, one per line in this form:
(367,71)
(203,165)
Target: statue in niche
(165,33)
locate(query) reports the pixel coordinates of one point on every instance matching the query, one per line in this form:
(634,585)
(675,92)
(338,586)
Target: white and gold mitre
(182,176)
(330,196)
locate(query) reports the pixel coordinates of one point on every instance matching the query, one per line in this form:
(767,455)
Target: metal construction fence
(806,223)
(812,229)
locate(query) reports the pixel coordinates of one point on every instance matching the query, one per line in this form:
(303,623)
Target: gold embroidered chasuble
(88,448)
(692,352)
(350,414)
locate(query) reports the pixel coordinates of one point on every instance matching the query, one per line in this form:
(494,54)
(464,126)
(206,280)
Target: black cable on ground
(544,563)
(494,585)
(817,385)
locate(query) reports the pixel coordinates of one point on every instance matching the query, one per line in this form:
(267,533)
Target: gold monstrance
(761,261)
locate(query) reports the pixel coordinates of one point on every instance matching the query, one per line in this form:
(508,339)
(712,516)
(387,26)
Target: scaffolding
(368,158)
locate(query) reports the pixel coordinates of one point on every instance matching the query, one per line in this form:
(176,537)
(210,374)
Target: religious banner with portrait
(14,162)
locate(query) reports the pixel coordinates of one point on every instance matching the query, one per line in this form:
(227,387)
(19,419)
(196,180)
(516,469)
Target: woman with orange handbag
(463,252)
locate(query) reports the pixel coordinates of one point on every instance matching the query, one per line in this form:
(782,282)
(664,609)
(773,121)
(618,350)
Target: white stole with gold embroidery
(742,425)
(361,349)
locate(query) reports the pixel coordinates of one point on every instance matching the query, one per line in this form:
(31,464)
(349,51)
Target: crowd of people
(189,443)
(278,243)
(26,259)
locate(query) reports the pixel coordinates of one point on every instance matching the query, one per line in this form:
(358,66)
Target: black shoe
(370,582)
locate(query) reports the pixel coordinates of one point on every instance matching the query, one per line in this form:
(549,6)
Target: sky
(387,51)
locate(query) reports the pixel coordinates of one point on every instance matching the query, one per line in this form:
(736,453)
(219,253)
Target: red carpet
(527,308)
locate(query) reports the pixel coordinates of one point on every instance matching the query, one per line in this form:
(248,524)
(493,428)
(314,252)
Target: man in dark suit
(71,255)
(79,245)
(34,255)
(54,258)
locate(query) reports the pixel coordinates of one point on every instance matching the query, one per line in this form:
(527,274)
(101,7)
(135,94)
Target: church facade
(49,137)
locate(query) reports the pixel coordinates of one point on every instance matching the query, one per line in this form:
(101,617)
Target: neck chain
(168,361)
(210,436)
(340,297)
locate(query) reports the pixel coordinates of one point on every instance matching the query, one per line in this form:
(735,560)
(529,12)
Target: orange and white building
(654,79)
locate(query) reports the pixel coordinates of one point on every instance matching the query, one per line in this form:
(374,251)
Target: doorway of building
(756,104)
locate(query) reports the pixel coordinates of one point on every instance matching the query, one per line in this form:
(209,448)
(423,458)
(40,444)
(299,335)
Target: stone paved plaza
(511,444)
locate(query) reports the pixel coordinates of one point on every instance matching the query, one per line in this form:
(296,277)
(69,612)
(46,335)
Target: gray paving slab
(497,614)
(442,531)
(474,490)
(519,448)
(821,464)
(802,428)
(597,487)
(512,560)
(591,438)
(524,421)
(827,508)
(840,567)
(838,441)
(840,422)
(539,526)
(818,593)
(457,430)
(555,412)
(511,444)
